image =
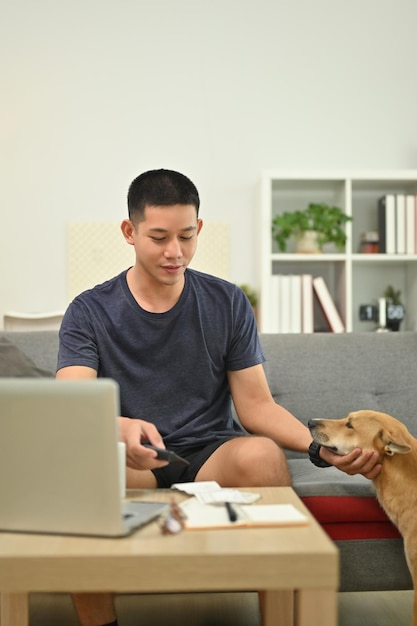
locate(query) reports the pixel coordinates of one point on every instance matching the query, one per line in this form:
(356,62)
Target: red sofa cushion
(351,517)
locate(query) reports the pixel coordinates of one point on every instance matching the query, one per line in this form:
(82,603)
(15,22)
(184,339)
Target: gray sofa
(325,375)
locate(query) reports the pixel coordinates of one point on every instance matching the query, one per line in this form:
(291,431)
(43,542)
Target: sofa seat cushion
(345,506)
(309,480)
(349,517)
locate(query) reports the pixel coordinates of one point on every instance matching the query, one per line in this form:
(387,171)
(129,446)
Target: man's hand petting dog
(356,462)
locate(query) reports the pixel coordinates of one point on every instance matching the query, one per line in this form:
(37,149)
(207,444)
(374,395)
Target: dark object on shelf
(369,242)
(395,315)
(368,313)
(395,309)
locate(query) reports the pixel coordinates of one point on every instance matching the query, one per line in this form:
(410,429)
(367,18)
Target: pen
(231,512)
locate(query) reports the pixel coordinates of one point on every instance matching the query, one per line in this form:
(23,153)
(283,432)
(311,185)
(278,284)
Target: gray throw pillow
(15,364)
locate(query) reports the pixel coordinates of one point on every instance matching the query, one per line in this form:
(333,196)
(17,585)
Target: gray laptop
(59,459)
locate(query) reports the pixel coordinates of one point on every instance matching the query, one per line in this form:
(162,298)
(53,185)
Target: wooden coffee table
(295,568)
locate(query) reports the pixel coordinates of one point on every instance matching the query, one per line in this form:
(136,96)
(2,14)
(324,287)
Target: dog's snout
(313,424)
(317,432)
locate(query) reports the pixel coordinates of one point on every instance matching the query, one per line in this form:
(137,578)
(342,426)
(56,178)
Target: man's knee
(254,462)
(250,461)
(267,463)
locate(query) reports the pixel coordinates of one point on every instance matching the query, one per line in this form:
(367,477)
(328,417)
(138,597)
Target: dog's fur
(396,485)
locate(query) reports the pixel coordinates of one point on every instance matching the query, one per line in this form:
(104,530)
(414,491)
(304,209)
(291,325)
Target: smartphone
(166,455)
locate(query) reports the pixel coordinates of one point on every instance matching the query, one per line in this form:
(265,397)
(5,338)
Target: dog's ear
(395,441)
(392,448)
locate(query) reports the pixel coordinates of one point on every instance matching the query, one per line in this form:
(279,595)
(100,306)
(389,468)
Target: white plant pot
(307,242)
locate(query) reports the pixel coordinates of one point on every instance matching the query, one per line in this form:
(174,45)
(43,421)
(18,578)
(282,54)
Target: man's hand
(365,462)
(133,432)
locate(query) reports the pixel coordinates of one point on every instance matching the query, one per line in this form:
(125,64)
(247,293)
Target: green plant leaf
(328,221)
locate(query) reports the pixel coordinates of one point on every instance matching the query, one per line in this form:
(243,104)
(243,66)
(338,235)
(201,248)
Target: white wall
(95,91)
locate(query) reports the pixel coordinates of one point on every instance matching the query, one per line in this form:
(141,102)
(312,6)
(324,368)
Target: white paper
(192,489)
(209,491)
(227,495)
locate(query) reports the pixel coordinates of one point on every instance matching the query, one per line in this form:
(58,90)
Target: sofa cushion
(15,364)
(345,518)
(345,506)
(373,565)
(309,480)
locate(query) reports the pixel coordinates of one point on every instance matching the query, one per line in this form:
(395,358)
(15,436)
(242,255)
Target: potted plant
(326,222)
(395,310)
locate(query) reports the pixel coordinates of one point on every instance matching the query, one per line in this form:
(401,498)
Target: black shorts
(196,455)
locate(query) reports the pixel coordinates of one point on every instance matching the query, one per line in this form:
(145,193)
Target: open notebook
(59,459)
(200,516)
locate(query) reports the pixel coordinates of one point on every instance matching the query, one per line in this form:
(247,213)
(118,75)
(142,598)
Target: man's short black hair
(160,188)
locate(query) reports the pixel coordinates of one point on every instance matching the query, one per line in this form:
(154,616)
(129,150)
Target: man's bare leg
(97,609)
(247,462)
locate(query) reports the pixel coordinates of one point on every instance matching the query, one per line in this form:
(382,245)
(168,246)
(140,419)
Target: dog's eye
(349,425)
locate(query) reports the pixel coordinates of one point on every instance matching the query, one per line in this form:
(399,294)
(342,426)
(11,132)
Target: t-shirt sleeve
(77,339)
(245,348)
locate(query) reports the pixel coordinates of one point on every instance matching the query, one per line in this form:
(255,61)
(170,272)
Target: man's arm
(261,415)
(76,372)
(131,431)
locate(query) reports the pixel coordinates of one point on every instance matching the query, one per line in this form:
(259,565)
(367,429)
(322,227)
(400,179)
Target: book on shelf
(386,224)
(201,516)
(397,224)
(410,224)
(307,307)
(284,303)
(400,223)
(292,303)
(274,323)
(295,304)
(328,306)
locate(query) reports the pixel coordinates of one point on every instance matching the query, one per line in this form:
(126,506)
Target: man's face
(165,241)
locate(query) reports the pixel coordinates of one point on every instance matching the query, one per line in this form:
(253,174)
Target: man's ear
(128,229)
(199,225)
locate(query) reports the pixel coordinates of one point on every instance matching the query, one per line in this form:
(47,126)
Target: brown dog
(396,485)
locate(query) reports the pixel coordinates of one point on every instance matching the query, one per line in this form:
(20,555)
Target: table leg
(14,609)
(316,607)
(277,607)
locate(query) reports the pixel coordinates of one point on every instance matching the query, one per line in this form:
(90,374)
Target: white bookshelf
(353,278)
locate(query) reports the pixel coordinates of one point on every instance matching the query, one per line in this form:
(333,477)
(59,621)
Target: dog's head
(368,430)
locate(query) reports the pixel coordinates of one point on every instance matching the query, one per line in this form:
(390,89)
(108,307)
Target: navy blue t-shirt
(171,367)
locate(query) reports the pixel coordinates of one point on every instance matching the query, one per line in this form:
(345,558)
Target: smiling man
(181,345)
